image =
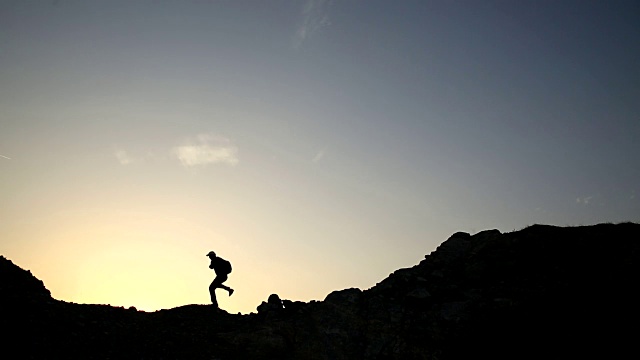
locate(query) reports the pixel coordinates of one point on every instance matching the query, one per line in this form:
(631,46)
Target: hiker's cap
(211,253)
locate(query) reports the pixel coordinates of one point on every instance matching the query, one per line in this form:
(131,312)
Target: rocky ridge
(543,291)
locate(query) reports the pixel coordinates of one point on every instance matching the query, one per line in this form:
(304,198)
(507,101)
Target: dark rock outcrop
(19,286)
(273,305)
(541,292)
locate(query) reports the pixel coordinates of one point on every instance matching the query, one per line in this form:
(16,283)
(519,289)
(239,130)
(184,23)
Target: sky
(317,145)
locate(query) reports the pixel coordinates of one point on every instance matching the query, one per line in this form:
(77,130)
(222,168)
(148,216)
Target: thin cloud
(123,157)
(6,157)
(585,200)
(318,156)
(207,149)
(313,18)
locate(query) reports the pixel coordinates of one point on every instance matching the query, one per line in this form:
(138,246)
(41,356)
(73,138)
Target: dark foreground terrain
(541,292)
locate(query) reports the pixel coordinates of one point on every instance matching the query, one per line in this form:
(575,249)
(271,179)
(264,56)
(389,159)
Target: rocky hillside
(541,292)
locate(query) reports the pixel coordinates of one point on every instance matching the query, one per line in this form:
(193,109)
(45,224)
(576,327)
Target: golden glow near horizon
(155,260)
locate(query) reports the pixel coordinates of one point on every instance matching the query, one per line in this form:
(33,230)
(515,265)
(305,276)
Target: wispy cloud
(585,200)
(319,156)
(6,157)
(123,157)
(207,149)
(313,18)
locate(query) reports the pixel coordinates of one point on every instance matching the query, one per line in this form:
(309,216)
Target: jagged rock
(347,296)
(419,293)
(540,292)
(18,285)
(273,304)
(293,306)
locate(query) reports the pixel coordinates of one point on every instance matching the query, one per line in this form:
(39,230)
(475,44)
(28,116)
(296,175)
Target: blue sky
(318,145)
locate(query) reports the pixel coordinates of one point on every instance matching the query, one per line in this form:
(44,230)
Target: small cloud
(126,157)
(314,17)
(6,157)
(632,196)
(207,149)
(123,157)
(318,156)
(584,200)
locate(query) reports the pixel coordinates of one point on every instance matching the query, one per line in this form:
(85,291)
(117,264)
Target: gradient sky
(318,145)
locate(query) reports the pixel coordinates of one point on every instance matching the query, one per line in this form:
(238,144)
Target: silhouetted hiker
(222,268)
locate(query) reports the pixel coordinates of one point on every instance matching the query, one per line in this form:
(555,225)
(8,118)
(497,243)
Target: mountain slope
(543,291)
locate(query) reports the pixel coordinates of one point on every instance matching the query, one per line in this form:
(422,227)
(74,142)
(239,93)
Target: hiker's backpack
(224,266)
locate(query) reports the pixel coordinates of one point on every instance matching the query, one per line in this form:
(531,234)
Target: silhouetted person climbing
(222,268)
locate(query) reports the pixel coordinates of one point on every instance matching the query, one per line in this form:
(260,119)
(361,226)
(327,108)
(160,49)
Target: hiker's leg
(217,283)
(229,290)
(224,278)
(212,292)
